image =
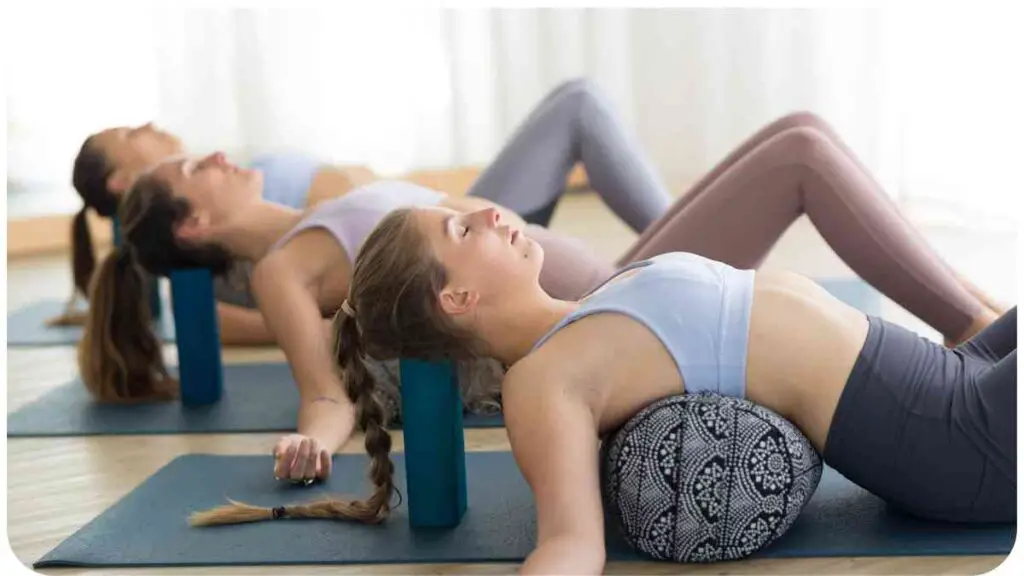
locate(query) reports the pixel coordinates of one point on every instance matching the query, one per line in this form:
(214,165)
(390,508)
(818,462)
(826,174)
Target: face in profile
(131,150)
(485,259)
(216,189)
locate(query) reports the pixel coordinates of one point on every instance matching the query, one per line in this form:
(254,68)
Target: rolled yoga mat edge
(148,527)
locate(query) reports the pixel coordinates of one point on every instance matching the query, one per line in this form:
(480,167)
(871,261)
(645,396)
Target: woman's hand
(324,426)
(301,458)
(288,286)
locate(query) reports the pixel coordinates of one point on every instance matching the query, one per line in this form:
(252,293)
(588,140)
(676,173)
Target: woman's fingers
(312,461)
(326,464)
(285,457)
(301,456)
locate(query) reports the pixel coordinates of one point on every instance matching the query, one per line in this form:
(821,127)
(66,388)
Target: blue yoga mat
(258,397)
(26,326)
(148,526)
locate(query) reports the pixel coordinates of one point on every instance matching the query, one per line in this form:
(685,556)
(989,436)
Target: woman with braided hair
(929,429)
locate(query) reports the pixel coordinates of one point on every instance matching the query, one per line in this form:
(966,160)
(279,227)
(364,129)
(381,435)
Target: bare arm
(288,285)
(554,440)
(240,326)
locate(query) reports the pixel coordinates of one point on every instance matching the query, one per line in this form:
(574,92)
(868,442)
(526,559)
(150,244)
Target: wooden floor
(57,485)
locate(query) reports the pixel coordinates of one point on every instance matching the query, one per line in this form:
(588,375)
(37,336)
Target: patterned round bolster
(705,478)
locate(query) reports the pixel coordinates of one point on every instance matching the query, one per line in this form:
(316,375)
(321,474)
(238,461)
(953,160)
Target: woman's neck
(256,228)
(512,331)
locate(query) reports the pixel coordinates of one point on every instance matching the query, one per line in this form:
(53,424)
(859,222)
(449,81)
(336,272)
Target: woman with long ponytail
(119,355)
(107,164)
(90,176)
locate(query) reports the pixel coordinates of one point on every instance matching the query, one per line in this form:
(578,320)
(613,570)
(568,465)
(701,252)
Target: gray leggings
(931,430)
(574,123)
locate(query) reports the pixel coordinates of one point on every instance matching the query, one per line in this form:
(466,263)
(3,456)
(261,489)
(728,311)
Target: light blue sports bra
(287,177)
(698,308)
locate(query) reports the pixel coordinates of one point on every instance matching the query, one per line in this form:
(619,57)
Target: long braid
(394,287)
(370,415)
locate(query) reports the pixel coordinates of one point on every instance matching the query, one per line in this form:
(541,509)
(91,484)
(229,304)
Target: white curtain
(923,96)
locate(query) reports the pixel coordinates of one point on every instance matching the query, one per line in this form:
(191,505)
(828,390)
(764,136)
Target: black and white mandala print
(704,478)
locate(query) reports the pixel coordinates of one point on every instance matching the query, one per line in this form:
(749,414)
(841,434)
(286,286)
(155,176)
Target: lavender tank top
(351,218)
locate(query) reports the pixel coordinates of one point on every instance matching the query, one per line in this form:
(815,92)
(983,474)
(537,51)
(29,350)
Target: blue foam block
(436,461)
(195,321)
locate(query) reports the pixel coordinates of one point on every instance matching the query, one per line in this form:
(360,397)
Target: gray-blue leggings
(574,123)
(933,430)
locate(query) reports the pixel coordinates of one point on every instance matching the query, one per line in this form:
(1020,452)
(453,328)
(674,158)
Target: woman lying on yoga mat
(110,160)
(929,429)
(793,166)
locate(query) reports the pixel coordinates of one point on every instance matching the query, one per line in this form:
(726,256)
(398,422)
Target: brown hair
(119,356)
(89,176)
(395,314)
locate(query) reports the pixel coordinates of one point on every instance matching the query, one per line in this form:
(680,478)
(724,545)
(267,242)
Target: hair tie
(278,512)
(126,254)
(347,309)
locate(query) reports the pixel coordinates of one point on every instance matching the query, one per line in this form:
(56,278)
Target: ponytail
(119,357)
(83,262)
(83,258)
(370,416)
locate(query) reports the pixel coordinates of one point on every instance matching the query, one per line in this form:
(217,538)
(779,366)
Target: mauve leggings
(798,165)
(735,214)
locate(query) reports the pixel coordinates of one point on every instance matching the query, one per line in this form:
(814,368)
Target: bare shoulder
(309,257)
(608,363)
(554,439)
(591,346)
(531,382)
(543,383)
(538,398)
